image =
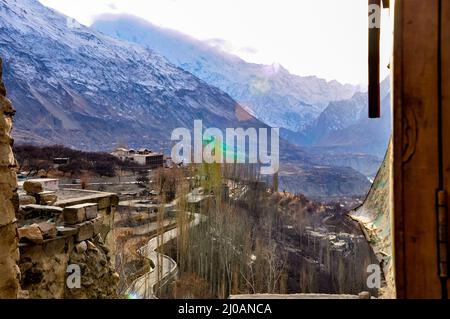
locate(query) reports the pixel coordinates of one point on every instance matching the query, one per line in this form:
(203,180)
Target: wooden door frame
(416,173)
(445,98)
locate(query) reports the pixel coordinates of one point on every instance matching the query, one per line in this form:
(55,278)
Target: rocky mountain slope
(361,135)
(345,126)
(309,111)
(74,86)
(270,92)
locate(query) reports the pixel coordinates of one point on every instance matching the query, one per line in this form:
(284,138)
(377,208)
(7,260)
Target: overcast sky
(326,38)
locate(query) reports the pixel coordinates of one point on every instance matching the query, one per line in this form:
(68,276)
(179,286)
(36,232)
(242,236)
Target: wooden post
(374,59)
(416,147)
(445,92)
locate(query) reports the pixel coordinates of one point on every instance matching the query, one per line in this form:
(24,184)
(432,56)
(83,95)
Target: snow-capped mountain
(367,136)
(338,115)
(74,86)
(345,126)
(310,111)
(270,92)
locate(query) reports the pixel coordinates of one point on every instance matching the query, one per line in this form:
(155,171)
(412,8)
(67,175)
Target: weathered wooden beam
(445,107)
(374,58)
(416,148)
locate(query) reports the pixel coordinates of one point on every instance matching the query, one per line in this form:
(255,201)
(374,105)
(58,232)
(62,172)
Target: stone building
(142,156)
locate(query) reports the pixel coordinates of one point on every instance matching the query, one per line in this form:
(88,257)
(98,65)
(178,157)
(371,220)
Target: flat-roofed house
(142,156)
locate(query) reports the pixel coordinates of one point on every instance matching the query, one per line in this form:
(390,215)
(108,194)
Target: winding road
(165,267)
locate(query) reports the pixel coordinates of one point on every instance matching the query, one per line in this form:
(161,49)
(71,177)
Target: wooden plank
(416,174)
(374,63)
(445,69)
(397,173)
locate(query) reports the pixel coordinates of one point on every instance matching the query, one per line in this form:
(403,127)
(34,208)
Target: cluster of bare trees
(167,181)
(252,236)
(40,160)
(234,250)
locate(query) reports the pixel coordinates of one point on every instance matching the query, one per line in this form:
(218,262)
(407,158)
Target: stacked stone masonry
(54,239)
(9,253)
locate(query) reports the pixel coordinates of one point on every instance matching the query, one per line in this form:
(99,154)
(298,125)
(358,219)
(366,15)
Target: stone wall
(9,253)
(66,240)
(37,244)
(45,269)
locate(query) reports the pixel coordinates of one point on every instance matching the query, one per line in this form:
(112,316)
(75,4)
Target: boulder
(104,202)
(81,247)
(115,277)
(33,187)
(105,249)
(31,233)
(23,294)
(48,230)
(85,231)
(98,239)
(26,200)
(91,211)
(364,295)
(74,214)
(47,198)
(91,246)
(79,213)
(98,225)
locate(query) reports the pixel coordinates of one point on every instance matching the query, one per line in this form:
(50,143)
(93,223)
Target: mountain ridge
(71,85)
(270,92)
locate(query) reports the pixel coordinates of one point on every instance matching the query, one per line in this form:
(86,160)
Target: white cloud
(326,38)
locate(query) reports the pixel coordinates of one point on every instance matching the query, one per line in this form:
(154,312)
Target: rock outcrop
(9,252)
